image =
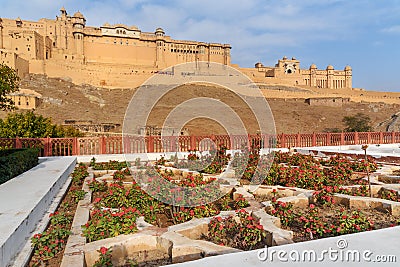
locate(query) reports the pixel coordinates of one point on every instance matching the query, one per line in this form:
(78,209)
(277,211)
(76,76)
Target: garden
(151,213)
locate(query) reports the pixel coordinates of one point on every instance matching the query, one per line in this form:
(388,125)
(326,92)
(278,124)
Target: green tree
(30,125)
(9,81)
(357,123)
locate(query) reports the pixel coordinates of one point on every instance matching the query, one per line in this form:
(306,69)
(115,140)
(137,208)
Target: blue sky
(362,33)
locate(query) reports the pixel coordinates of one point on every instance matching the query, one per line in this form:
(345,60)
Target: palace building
(123,56)
(288,72)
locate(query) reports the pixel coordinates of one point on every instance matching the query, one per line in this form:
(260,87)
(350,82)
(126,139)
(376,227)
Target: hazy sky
(362,33)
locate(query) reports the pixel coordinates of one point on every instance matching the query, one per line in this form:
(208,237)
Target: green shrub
(16,161)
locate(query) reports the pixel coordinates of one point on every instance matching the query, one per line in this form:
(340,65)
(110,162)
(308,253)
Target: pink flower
(103,250)
(312,206)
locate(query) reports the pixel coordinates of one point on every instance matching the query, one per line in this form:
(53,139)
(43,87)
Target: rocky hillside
(63,100)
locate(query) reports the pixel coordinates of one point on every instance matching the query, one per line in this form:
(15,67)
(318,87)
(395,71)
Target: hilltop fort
(124,56)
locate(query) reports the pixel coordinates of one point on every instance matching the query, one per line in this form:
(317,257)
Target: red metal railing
(133,144)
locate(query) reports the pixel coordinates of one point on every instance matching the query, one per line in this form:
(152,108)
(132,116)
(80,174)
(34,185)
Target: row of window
(194,52)
(186,51)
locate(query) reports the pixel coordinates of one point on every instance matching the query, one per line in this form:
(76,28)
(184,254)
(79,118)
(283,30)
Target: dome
(284,58)
(313,66)
(63,9)
(159,30)
(347,67)
(330,67)
(78,15)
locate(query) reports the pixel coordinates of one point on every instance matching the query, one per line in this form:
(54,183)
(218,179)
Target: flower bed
(318,221)
(119,200)
(116,203)
(241,231)
(111,165)
(325,218)
(303,171)
(49,245)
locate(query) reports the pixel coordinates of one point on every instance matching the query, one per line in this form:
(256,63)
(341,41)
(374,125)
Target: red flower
(103,250)
(37,236)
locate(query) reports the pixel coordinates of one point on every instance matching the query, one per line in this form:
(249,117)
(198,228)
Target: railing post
(369,137)
(380,137)
(342,139)
(74,146)
(393,137)
(283,141)
(47,147)
(102,145)
(328,139)
(150,144)
(193,143)
(18,143)
(314,139)
(356,138)
(298,140)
